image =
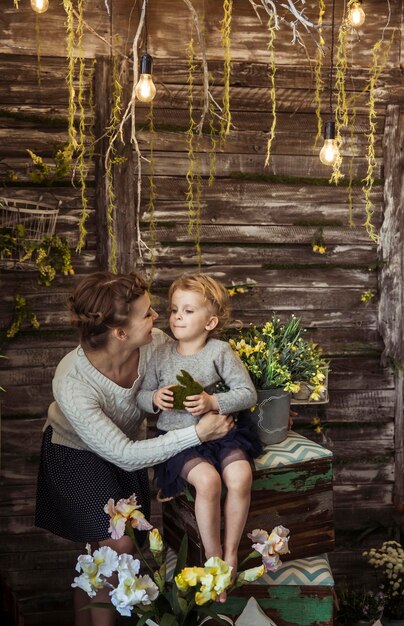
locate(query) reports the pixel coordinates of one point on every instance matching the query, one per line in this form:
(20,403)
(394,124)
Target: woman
(93,445)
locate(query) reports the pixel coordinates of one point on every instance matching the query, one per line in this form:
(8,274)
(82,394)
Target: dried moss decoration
(225,30)
(152,198)
(341,111)
(187,387)
(318,79)
(272,92)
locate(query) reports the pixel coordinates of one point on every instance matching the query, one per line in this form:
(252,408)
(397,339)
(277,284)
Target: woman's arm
(102,436)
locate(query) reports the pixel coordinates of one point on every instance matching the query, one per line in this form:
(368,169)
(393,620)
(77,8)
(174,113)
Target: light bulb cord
(145,26)
(332,54)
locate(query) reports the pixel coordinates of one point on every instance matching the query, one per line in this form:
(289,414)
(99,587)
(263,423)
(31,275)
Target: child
(199,306)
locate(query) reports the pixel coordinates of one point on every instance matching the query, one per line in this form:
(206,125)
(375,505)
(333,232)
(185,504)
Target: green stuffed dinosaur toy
(187,387)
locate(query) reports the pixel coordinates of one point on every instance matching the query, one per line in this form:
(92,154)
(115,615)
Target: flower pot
(271,415)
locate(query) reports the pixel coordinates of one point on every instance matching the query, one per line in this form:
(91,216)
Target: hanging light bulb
(356,15)
(145,89)
(329,152)
(39,6)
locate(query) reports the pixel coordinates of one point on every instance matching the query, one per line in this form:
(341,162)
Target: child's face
(190,317)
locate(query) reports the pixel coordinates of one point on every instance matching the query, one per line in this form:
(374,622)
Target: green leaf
(145,617)
(168,620)
(182,555)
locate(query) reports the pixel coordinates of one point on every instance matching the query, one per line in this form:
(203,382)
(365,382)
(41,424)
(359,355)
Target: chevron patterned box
(292,486)
(300,593)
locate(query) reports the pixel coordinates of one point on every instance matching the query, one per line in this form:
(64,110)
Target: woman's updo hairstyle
(101,302)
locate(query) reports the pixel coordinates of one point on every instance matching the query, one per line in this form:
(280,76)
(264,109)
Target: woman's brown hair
(101,302)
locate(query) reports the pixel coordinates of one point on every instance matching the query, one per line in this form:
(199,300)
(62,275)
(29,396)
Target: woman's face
(140,321)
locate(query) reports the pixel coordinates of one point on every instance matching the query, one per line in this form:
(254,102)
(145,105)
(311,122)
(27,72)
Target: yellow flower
(315,421)
(232,291)
(189,577)
(155,541)
(315,248)
(250,575)
(318,429)
(322,249)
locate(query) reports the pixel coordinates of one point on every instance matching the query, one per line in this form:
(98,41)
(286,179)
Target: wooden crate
(300,593)
(292,485)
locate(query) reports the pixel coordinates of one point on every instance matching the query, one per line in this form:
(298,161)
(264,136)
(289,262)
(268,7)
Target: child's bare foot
(230,560)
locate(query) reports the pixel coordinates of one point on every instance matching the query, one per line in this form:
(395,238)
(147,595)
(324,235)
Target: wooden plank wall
(251,227)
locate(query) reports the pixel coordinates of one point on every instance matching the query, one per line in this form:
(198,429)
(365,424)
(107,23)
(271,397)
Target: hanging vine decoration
(213,144)
(352,121)
(380,52)
(341,110)
(111,159)
(38,49)
(225,31)
(70,44)
(81,164)
(318,79)
(271,73)
(152,198)
(191,173)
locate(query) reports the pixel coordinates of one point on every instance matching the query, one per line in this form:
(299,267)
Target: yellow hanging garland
(271,73)
(319,82)
(225,30)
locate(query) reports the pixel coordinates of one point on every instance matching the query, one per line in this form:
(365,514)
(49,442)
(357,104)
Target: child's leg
(237,476)
(208,486)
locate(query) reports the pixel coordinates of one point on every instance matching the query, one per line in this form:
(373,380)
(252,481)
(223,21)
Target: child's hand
(200,404)
(163,398)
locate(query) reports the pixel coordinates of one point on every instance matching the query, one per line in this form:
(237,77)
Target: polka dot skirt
(75,485)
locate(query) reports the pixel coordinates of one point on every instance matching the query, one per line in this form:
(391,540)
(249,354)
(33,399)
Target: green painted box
(292,486)
(300,593)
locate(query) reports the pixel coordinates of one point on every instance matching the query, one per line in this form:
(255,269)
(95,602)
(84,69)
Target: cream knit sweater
(91,412)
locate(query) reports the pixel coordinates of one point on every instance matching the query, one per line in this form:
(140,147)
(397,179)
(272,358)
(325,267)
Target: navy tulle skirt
(168,474)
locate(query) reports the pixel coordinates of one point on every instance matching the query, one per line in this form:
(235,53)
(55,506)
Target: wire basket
(38,220)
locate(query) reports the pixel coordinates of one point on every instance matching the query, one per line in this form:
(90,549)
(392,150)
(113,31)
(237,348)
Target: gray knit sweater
(215,362)
(91,412)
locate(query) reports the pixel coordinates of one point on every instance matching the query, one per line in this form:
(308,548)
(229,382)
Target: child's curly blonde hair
(214,293)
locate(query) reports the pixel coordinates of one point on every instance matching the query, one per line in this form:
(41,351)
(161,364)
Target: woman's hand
(214,426)
(200,404)
(163,399)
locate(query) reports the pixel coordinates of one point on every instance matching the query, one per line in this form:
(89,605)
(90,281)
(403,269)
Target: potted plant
(360,607)
(181,597)
(388,561)
(280,361)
